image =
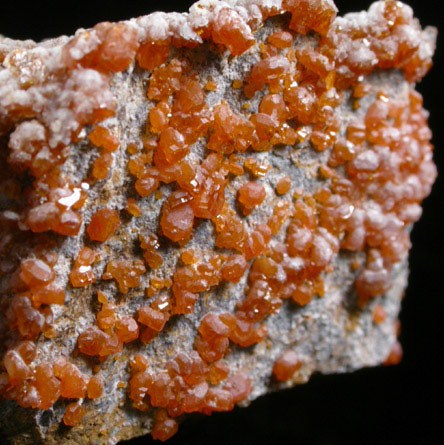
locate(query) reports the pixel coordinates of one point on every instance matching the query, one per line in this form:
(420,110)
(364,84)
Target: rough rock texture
(52,98)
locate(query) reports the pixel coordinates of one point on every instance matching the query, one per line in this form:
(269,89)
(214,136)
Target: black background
(377,406)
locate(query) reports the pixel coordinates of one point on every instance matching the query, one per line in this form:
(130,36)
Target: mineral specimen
(200,208)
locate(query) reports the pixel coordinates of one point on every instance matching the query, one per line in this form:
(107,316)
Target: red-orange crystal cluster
(377,169)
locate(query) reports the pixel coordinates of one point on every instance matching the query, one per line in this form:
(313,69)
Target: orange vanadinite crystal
(286,365)
(95,387)
(82,275)
(190,96)
(27,351)
(36,273)
(139,363)
(218,372)
(185,387)
(137,166)
(127,329)
(132,148)
(85,257)
(146,186)
(251,195)
(116,50)
(171,148)
(231,132)
(188,257)
(395,355)
(153,319)
(159,117)
(133,208)
(237,84)
(211,85)
(256,168)
(231,31)
(74,414)
(281,39)
(234,268)
(267,71)
(361,90)
(177,216)
(153,54)
(106,317)
(150,244)
(192,155)
(125,272)
(239,386)
(73,383)
(283,186)
(43,217)
(184,301)
(47,385)
(308,15)
(104,224)
(16,367)
(379,314)
(164,427)
(274,106)
(101,137)
(48,216)
(102,165)
(95,342)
